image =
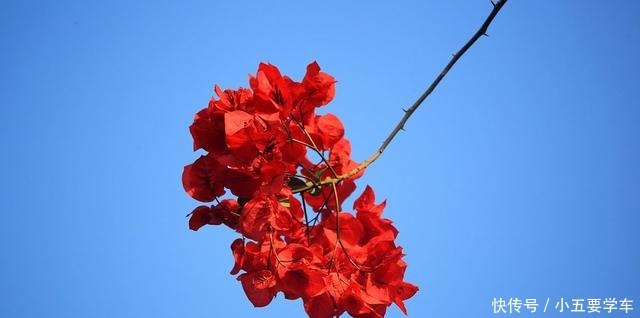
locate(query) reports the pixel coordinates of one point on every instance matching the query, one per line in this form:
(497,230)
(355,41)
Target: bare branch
(482,31)
(408,112)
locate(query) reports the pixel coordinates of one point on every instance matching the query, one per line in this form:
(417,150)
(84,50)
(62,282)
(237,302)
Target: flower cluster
(289,170)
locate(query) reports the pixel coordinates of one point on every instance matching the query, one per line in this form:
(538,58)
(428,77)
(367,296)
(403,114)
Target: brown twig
(408,112)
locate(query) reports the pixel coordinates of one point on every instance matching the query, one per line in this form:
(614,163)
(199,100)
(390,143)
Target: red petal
(236,121)
(273,174)
(227,212)
(377,229)
(271,71)
(241,184)
(239,127)
(199,217)
(351,231)
(403,292)
(379,292)
(256,216)
(331,130)
(231,100)
(320,86)
(351,300)
(237,248)
(295,253)
(366,203)
(255,257)
(203,180)
(305,283)
(207,131)
(321,306)
(261,214)
(293,152)
(257,286)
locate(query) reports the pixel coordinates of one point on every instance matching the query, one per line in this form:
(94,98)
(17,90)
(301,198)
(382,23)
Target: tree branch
(408,112)
(497,5)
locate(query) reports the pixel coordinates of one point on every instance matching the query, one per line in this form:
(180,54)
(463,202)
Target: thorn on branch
(485,34)
(404,110)
(493,3)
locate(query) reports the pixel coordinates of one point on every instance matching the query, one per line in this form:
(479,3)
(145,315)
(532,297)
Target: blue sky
(518,177)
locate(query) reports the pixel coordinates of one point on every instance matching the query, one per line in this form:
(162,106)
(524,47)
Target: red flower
(231,100)
(320,86)
(203,179)
(257,142)
(272,91)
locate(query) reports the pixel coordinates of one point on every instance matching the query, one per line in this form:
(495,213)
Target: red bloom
(257,143)
(272,91)
(320,86)
(231,100)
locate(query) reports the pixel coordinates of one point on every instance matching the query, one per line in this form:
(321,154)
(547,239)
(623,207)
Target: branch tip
(482,31)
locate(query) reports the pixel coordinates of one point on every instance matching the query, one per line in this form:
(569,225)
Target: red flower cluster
(257,142)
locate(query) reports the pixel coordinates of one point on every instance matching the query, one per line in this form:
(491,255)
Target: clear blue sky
(519,177)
